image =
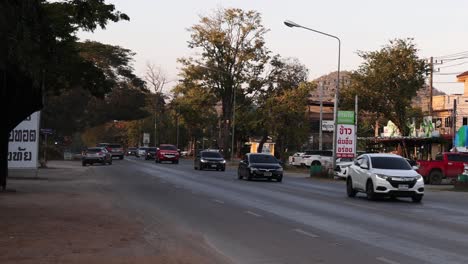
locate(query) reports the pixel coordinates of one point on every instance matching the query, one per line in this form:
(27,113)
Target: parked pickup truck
(446,165)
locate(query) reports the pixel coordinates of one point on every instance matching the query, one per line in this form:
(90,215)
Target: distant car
(209,160)
(115,149)
(167,152)
(141,152)
(131,151)
(386,175)
(260,165)
(96,155)
(342,167)
(150,153)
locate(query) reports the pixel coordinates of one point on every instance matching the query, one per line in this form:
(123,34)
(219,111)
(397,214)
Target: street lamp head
(289,23)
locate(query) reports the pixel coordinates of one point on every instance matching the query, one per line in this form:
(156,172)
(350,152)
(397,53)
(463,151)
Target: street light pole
(337,92)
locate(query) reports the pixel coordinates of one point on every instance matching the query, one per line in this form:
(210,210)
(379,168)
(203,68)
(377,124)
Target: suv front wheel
(349,188)
(370,190)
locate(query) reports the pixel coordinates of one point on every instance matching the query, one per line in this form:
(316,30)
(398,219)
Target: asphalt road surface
(300,220)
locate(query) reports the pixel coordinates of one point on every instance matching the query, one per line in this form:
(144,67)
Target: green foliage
(232,53)
(387,80)
(125,93)
(196,107)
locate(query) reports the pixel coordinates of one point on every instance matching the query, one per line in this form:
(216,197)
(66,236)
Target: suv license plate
(213,166)
(267,174)
(403,187)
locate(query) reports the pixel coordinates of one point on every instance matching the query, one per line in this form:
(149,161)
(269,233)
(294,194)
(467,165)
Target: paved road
(298,221)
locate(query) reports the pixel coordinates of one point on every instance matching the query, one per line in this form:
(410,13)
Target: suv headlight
(380,176)
(279,169)
(223,161)
(253,169)
(418,178)
(203,160)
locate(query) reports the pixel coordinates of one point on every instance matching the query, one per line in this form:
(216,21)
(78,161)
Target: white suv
(384,175)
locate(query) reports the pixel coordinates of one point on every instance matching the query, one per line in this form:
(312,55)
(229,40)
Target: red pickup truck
(445,165)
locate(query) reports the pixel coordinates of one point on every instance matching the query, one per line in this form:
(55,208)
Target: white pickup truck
(296,159)
(317,157)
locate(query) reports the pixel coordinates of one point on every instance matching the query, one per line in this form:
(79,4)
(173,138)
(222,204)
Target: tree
(38,53)
(155,78)
(284,116)
(286,78)
(232,52)
(196,107)
(387,81)
(125,93)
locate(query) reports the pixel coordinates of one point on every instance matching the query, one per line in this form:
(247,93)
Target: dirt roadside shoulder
(60,218)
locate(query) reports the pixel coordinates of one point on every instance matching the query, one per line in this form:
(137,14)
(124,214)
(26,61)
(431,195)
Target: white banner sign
(146,138)
(328,125)
(23,146)
(345,147)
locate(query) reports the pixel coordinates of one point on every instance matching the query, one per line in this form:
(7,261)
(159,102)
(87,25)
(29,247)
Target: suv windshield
(168,147)
(211,155)
(263,159)
(390,163)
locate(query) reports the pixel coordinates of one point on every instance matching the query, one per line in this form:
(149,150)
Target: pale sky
(157,31)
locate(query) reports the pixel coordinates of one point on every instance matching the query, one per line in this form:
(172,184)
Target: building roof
(462,74)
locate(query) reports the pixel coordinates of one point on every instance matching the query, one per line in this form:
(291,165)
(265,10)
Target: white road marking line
(218,201)
(300,231)
(387,260)
(252,213)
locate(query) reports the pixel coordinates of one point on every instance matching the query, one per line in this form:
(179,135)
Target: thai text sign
(346,131)
(23,143)
(346,117)
(328,125)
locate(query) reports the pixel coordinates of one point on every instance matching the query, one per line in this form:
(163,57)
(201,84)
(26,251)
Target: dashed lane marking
(218,201)
(300,231)
(252,213)
(387,260)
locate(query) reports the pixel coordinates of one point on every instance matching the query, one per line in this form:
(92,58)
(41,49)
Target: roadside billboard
(346,131)
(146,139)
(23,145)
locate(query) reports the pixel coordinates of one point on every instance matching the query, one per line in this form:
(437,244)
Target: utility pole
(431,81)
(321,115)
(454,121)
(355,124)
(431,65)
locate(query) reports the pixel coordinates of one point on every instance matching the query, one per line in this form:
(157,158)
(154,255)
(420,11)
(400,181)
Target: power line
(459,58)
(453,65)
(447,73)
(452,55)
